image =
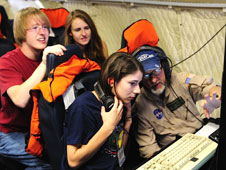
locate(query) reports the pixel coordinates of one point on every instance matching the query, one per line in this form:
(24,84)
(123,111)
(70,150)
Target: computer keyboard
(189,152)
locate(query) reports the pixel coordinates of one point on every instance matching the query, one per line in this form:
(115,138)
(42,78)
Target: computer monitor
(218,161)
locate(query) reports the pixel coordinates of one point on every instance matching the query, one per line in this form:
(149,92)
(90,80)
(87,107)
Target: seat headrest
(57,16)
(54,60)
(139,33)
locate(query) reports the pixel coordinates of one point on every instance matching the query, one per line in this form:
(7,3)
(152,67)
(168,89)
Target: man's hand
(210,104)
(55,49)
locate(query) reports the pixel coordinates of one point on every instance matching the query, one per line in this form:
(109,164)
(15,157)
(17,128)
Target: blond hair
(22,19)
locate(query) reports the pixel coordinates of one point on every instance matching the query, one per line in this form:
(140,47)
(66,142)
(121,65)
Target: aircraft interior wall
(182,31)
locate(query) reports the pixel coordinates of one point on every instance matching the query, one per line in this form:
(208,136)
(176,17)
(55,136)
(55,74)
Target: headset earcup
(108,102)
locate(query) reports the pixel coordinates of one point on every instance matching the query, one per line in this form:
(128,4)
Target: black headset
(108,101)
(164,60)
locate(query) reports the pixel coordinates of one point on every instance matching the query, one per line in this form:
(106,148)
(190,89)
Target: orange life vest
(52,88)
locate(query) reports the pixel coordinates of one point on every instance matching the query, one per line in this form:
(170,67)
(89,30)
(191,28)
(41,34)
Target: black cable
(199,48)
(50,84)
(187,107)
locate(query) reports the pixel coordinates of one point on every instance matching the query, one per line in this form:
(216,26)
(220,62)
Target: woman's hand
(55,49)
(112,118)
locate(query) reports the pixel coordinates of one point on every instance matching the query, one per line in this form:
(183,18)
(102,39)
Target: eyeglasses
(36,28)
(154,73)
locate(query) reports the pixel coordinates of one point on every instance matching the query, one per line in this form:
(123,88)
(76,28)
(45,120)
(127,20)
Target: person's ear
(111,82)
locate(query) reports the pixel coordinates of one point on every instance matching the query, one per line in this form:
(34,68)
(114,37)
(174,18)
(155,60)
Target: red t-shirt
(15,68)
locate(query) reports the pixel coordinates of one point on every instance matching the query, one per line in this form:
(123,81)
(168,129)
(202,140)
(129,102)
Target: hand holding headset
(108,101)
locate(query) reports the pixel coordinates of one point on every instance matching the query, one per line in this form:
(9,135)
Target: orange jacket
(64,74)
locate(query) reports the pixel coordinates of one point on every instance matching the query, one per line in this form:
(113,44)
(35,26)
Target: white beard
(159,91)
